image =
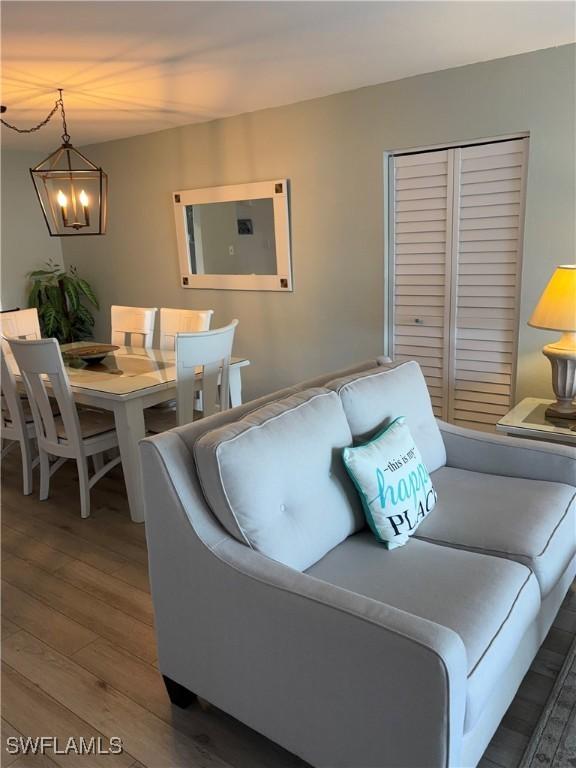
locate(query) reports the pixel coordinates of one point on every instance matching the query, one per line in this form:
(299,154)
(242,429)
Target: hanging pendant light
(71,190)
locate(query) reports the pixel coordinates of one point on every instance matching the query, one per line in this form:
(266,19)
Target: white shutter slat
(482,247)
(487,187)
(489,257)
(424,237)
(494,174)
(489,280)
(478,417)
(495,323)
(468,395)
(416,301)
(421,170)
(489,222)
(419,290)
(417,183)
(498,198)
(489,211)
(421,258)
(434,215)
(420,269)
(492,148)
(485,268)
(506,347)
(421,226)
(483,408)
(505,160)
(420,248)
(421,279)
(421,158)
(486,290)
(483,234)
(485,355)
(484,387)
(426,193)
(421,230)
(424,205)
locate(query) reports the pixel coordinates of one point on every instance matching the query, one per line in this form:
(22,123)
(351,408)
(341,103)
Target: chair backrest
(173,321)
(40,363)
(13,420)
(133,326)
(21,324)
(209,351)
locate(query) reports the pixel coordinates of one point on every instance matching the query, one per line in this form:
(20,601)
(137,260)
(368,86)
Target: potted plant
(58,295)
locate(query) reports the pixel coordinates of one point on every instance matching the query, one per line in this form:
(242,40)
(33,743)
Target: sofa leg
(179,696)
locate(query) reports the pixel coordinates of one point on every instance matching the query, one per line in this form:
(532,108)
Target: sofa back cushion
(371,400)
(275,478)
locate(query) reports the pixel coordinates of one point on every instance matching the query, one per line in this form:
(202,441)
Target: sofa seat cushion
(489,601)
(275,478)
(373,399)
(530,521)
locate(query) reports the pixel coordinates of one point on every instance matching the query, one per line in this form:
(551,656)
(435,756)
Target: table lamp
(556,311)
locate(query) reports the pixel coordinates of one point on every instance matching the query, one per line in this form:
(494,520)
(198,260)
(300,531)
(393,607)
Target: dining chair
(211,351)
(20,324)
(17,425)
(133,326)
(72,434)
(173,321)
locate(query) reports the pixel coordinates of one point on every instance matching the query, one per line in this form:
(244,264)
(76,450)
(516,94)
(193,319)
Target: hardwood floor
(79,654)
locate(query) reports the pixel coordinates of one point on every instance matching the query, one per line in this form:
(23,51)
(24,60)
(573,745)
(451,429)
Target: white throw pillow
(393,482)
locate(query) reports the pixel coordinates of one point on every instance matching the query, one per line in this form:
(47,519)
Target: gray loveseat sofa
(274,602)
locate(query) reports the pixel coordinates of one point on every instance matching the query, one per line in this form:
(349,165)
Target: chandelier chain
(58,105)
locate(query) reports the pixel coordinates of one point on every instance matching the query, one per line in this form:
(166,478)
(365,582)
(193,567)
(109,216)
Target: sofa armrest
(335,677)
(511,456)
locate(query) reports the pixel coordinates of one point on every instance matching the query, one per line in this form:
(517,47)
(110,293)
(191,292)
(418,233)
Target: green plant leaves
(58,294)
(88,291)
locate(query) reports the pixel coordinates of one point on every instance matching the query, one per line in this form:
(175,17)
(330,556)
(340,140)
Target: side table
(528,419)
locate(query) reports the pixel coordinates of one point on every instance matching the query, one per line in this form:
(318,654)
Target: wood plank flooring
(79,654)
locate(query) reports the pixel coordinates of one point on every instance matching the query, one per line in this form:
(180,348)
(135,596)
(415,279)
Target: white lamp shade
(556,309)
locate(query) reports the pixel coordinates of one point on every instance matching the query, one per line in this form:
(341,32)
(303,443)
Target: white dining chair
(17,425)
(173,321)
(133,326)
(72,434)
(20,324)
(211,351)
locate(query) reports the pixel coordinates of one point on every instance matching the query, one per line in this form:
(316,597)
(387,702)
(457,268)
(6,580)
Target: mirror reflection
(232,238)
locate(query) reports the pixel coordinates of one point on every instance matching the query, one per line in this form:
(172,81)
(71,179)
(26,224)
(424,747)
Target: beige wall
(332,149)
(26,243)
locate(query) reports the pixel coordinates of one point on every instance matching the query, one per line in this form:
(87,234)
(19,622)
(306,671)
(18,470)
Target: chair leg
(83,481)
(178,695)
(44,474)
(26,467)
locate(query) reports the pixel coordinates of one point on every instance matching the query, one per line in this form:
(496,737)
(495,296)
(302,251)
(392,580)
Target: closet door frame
(452,262)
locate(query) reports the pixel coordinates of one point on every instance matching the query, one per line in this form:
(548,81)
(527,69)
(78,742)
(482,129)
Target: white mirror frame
(277,190)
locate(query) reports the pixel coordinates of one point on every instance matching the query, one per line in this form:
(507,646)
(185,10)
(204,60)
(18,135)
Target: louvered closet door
(422,230)
(489,185)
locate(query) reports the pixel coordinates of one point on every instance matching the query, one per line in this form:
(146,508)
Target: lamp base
(562,411)
(562,358)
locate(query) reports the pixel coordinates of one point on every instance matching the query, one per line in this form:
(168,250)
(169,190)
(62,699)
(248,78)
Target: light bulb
(83,199)
(62,199)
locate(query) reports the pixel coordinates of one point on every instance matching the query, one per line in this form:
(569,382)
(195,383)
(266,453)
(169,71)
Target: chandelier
(71,190)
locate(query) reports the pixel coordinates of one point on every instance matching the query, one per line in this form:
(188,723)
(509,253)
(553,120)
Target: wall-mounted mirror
(235,237)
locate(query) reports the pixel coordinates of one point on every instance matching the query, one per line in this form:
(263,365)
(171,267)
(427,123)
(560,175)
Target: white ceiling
(134,67)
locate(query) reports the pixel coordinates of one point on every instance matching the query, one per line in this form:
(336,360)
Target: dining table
(126,382)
